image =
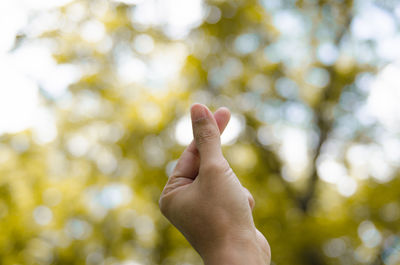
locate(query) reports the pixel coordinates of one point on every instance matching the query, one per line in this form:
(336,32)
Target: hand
(205,200)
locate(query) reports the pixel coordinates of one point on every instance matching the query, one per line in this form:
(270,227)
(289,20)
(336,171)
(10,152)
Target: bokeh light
(94,113)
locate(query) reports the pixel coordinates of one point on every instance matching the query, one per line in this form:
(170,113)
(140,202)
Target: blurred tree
(294,73)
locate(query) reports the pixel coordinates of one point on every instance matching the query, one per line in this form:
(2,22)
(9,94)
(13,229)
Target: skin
(206,202)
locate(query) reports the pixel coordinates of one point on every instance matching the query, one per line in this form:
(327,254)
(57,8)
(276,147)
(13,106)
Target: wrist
(243,249)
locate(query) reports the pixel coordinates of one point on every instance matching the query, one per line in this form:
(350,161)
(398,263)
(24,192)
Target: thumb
(206,133)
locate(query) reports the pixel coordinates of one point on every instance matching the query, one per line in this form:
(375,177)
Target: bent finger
(188,163)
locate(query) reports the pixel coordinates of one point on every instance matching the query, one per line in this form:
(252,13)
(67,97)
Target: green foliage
(91,195)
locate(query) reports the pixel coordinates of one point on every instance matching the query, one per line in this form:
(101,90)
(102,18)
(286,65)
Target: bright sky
(23,70)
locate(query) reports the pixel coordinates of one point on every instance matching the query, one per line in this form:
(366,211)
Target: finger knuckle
(219,166)
(205,135)
(212,167)
(250,198)
(163,206)
(252,202)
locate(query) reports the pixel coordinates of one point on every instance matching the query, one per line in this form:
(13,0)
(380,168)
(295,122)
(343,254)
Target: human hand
(205,200)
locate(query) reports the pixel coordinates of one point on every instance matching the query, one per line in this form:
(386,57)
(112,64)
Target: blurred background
(94,104)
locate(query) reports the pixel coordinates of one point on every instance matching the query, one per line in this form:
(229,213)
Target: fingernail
(198,112)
